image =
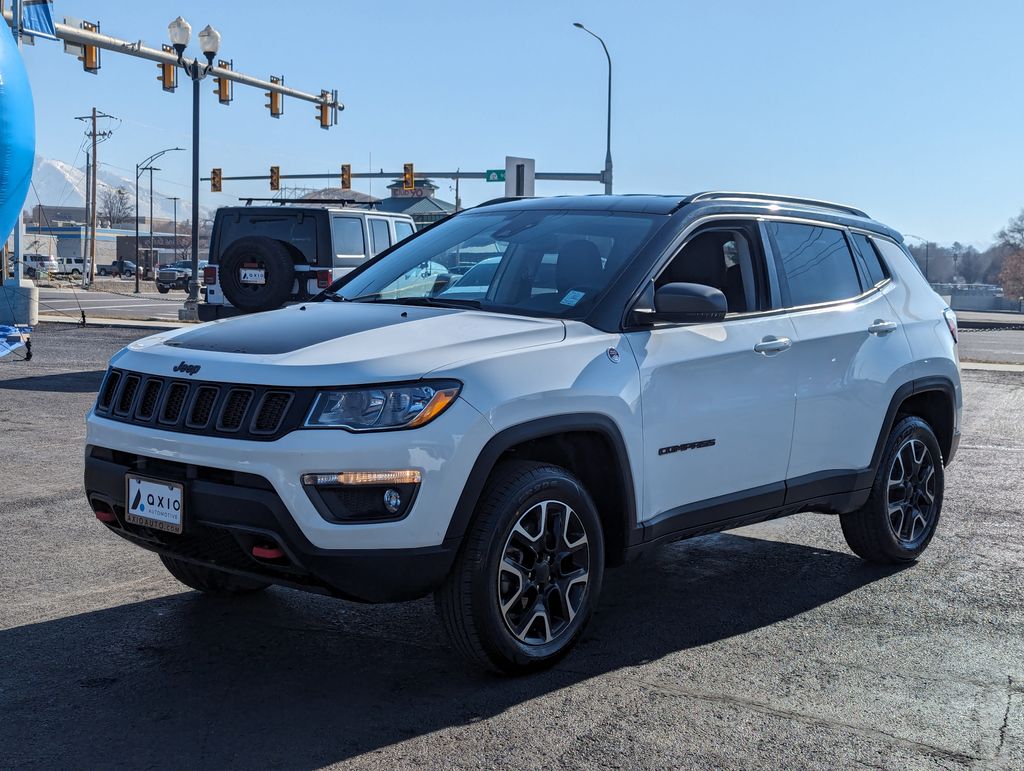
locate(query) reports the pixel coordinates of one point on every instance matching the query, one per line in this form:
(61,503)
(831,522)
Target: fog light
(392,500)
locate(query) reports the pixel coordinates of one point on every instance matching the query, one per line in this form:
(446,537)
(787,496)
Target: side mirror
(689,303)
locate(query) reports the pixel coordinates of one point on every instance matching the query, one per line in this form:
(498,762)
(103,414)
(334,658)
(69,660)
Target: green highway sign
(495,175)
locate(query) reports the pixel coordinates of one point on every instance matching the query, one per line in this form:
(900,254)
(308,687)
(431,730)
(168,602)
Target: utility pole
(90,194)
(88,211)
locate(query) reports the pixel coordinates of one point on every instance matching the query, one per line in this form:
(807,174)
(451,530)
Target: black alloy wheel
(544,572)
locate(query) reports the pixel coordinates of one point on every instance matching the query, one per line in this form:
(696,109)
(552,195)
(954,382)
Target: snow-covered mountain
(57,183)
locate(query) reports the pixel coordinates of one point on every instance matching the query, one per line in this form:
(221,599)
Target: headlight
(376,408)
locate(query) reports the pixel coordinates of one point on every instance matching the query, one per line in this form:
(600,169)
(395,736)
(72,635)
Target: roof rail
(717,194)
(309,201)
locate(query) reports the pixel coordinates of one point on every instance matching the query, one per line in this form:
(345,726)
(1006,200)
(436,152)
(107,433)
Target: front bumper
(228,513)
(443,451)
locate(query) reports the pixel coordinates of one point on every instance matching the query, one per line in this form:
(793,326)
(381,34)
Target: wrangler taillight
(210,274)
(323,279)
(951,323)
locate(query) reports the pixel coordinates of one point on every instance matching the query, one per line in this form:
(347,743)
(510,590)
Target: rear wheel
(529,573)
(900,517)
(209,580)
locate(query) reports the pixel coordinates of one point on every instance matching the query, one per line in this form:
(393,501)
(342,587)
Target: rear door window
(380,235)
(349,242)
(815,263)
(403,229)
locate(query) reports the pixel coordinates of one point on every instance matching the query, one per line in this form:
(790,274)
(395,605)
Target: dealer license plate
(252,275)
(154,503)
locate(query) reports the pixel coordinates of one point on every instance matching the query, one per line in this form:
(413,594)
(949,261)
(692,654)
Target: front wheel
(162,289)
(529,574)
(900,517)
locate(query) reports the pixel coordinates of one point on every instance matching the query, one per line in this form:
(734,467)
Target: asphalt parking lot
(770,646)
(67,301)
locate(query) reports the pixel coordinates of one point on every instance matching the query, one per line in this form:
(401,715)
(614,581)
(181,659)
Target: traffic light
(346,176)
(408,178)
(215,180)
(276,103)
(90,54)
(275,177)
(168,72)
(222,86)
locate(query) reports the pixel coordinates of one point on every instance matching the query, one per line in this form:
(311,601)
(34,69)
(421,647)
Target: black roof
(717,201)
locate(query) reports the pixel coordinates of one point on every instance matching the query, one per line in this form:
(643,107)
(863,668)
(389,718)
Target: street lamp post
(209,41)
(139,168)
(608,147)
(927,252)
(151,261)
(175,199)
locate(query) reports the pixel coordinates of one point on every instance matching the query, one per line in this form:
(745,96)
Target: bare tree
(115,205)
(1012,275)
(1011,238)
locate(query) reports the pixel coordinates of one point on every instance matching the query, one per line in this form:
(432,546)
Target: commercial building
(420,203)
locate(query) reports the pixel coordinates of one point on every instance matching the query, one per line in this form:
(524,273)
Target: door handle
(771,345)
(880,327)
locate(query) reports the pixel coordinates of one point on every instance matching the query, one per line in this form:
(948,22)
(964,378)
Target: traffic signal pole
(140,51)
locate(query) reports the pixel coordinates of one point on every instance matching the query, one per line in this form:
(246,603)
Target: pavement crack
(964,758)
(1004,728)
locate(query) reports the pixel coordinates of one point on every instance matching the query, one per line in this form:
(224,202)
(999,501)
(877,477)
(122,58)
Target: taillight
(323,279)
(210,274)
(951,323)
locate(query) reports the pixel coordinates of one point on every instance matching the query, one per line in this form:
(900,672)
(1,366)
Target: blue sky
(909,110)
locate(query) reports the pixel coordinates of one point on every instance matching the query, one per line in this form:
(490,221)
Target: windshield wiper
(433,302)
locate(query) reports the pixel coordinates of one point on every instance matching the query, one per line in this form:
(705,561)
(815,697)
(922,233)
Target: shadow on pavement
(287,680)
(60,382)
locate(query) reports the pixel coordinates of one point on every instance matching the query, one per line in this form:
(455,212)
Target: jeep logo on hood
(188,369)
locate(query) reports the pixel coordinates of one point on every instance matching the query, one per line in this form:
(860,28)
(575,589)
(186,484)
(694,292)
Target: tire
(524,501)
(273,257)
(209,580)
(162,289)
(908,486)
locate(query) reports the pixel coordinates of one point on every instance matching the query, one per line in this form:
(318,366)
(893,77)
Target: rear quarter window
(403,229)
(873,265)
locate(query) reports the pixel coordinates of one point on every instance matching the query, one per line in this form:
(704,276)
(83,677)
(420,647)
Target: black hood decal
(293,329)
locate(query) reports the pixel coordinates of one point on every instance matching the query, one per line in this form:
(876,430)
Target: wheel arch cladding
(932,399)
(589,446)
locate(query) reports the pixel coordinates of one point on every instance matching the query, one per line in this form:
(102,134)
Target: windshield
(545,263)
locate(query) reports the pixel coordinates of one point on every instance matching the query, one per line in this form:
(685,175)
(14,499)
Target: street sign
(495,175)
(519,176)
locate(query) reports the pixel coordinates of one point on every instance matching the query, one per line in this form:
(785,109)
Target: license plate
(154,503)
(252,276)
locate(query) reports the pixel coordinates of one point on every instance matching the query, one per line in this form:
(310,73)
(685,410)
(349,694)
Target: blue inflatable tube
(17,132)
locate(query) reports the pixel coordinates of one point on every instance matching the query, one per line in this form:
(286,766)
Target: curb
(983,366)
(92,321)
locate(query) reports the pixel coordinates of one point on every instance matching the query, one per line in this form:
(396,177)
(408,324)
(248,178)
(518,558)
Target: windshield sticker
(572,297)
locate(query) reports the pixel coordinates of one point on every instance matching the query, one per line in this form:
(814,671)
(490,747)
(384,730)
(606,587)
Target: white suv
(632,370)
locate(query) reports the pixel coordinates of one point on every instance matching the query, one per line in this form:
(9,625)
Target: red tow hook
(104,514)
(267,552)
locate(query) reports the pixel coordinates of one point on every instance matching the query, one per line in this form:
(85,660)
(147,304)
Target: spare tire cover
(278,270)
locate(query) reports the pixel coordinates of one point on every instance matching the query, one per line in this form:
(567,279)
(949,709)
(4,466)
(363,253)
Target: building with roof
(420,203)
